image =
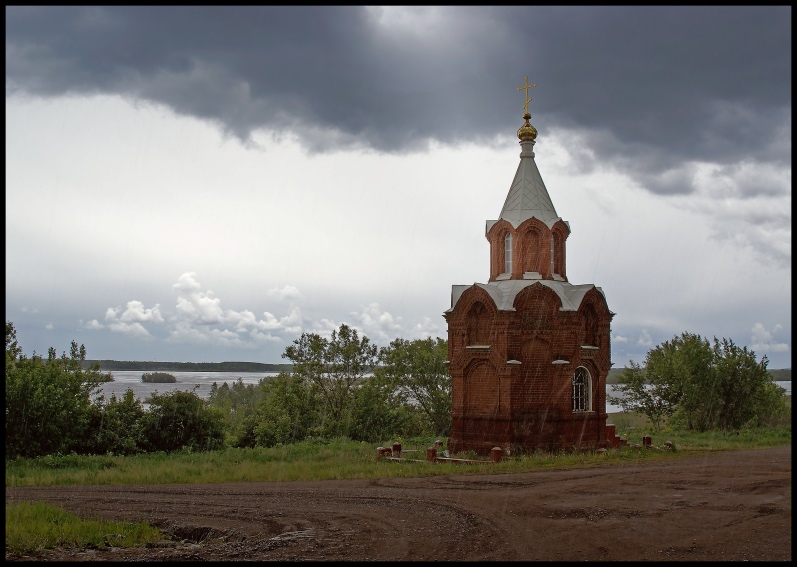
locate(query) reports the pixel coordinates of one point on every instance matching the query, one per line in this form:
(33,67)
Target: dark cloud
(649,87)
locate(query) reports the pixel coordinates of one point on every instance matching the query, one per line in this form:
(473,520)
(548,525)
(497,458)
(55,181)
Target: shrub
(179,420)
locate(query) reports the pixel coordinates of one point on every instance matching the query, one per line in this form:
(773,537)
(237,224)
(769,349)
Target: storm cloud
(652,89)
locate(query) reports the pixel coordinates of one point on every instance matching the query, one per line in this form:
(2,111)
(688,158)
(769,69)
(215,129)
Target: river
(201,382)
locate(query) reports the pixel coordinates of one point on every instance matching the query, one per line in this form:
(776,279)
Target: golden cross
(526,88)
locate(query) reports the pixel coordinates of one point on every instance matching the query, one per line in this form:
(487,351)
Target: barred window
(582,390)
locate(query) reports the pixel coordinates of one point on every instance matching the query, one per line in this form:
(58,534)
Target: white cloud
(129,322)
(243,320)
(187,282)
(136,312)
(226,337)
(644,339)
(620,339)
(378,325)
(131,329)
(264,338)
(183,332)
(200,318)
(287,292)
(195,306)
(324,327)
(49,326)
(764,342)
(428,328)
(292,322)
(92,325)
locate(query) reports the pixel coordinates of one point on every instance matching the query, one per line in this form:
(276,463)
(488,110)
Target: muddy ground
(728,506)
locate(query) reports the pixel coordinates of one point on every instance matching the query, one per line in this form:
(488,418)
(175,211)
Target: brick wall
(529,405)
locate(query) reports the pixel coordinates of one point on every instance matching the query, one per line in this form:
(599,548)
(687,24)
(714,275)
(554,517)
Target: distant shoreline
(782,375)
(158,366)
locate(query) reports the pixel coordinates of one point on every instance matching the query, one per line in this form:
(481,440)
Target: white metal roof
(503,293)
(527,196)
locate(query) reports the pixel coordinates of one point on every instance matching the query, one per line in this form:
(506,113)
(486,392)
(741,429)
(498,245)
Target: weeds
(35,526)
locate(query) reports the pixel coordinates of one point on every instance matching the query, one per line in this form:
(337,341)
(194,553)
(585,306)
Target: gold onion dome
(527,131)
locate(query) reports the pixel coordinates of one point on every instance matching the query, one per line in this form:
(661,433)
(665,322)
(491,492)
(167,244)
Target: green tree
(672,379)
(13,350)
(379,411)
(640,396)
(417,369)
(237,403)
(684,369)
(743,389)
(119,424)
(704,387)
(49,403)
(335,366)
(290,410)
(180,419)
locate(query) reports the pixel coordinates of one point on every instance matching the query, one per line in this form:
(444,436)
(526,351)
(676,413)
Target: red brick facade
(528,352)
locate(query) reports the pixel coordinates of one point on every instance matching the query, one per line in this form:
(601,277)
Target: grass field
(31,528)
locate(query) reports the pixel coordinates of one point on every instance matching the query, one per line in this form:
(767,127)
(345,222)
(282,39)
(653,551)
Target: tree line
(345,386)
(336,387)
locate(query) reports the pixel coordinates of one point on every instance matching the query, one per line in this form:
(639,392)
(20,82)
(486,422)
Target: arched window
(508,253)
(582,390)
(532,247)
(590,326)
(478,325)
(557,254)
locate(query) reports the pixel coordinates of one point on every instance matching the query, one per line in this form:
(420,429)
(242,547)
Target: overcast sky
(205,184)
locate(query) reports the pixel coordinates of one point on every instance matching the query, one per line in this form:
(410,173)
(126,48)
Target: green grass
(635,426)
(35,526)
(342,458)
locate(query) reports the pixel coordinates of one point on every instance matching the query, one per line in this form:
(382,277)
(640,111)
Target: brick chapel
(529,352)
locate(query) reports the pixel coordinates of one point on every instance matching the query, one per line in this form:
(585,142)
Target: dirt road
(730,506)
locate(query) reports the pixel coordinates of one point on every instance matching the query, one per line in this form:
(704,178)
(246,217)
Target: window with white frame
(508,253)
(581,390)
